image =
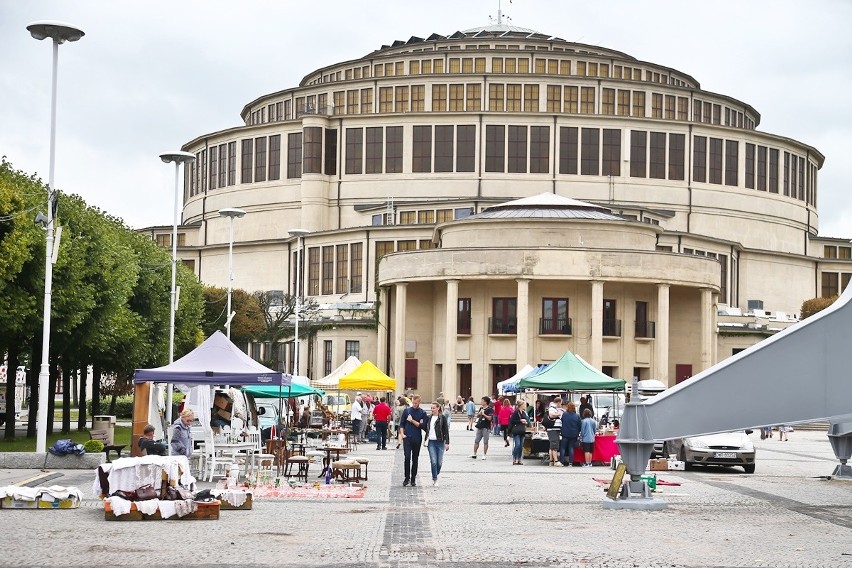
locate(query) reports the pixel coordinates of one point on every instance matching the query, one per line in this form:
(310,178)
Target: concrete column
(661,341)
(596,336)
(706,331)
(398,361)
(522,356)
(449,383)
(382,334)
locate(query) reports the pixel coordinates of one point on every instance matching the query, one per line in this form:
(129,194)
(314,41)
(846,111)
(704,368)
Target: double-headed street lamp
(299,234)
(178,158)
(59,32)
(231,213)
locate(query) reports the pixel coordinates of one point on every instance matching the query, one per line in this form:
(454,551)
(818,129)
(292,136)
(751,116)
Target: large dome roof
(547,206)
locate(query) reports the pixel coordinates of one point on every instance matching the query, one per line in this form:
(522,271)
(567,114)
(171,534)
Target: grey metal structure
(799,375)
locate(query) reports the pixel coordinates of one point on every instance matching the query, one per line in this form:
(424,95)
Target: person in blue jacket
(412,423)
(570,434)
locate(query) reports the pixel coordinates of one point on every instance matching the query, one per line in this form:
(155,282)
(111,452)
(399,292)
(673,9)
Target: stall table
(605,448)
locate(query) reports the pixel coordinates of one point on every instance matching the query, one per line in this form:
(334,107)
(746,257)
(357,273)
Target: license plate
(725,455)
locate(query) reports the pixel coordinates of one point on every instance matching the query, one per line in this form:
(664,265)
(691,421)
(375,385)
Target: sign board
(615,484)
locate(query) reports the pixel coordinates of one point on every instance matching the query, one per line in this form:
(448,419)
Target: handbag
(146,492)
(518,430)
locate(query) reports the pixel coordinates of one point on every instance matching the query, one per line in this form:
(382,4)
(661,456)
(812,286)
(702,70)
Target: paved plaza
(483,513)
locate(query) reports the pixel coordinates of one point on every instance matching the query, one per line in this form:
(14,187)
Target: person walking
(506,412)
(518,427)
(552,421)
(783,429)
(571,424)
(588,427)
(400,407)
(381,415)
(356,413)
(437,440)
(470,410)
(484,419)
(448,412)
(498,406)
(413,422)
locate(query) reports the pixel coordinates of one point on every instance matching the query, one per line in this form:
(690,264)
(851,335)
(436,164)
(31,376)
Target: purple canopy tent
(217,361)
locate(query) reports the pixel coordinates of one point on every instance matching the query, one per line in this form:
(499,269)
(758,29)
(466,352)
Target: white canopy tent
(526,370)
(332,380)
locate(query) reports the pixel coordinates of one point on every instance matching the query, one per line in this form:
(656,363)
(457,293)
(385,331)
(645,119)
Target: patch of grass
(122,436)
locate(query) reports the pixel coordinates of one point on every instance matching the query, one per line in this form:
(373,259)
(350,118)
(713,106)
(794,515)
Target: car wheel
(682,457)
(749,468)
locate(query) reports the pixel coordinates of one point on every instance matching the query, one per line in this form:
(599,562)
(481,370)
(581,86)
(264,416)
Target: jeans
(518,447)
(566,449)
(411,450)
(381,435)
(436,457)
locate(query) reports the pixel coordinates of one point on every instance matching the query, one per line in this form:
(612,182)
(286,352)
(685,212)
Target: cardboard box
(661,464)
(69,503)
(224,414)
(676,465)
(221,402)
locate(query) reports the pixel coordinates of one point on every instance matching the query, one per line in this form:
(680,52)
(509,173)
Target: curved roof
(547,206)
(500,28)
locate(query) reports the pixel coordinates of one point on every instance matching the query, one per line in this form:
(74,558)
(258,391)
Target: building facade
(494,197)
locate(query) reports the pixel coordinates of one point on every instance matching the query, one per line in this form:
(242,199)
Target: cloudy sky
(150,76)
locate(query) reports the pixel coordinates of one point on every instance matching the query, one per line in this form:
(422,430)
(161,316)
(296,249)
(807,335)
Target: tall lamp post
(299,234)
(59,32)
(231,213)
(178,158)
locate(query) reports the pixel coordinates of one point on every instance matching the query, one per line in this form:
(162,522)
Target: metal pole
(230,276)
(173,303)
(44,372)
(296,310)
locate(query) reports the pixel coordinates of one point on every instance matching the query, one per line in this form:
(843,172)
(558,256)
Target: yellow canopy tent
(367,377)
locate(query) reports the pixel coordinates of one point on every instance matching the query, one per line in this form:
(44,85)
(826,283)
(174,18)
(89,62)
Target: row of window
(283,353)
(351,349)
(425,216)
(333,269)
(833,283)
(508,65)
(508,148)
(554,318)
(506,97)
(835,251)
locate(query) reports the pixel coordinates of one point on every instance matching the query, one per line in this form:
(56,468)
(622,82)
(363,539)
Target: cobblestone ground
(483,513)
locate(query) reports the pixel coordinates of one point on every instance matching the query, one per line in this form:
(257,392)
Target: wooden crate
(207,511)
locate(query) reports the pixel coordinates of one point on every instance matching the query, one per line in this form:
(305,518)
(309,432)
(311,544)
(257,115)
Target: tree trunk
(32,381)
(50,397)
(81,413)
(74,390)
(112,403)
(11,373)
(67,379)
(96,390)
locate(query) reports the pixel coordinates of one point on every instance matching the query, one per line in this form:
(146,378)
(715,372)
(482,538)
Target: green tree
(279,312)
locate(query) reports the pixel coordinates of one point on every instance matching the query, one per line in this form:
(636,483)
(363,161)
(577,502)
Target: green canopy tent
(295,390)
(570,373)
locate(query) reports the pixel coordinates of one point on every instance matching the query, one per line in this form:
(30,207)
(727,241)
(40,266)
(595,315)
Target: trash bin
(105,423)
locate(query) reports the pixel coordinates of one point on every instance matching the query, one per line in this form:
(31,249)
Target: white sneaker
(483,458)
(557,464)
(434,483)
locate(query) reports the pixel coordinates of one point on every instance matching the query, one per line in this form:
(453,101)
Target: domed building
(479,201)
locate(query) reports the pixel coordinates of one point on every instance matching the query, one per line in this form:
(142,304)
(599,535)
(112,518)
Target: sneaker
(434,483)
(558,464)
(413,484)
(483,458)
(405,483)
(473,456)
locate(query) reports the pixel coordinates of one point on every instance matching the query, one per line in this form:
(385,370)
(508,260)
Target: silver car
(728,448)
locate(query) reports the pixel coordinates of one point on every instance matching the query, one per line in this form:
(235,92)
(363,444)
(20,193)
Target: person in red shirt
(503,419)
(381,415)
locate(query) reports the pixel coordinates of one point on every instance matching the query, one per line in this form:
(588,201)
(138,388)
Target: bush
(123,406)
(93,447)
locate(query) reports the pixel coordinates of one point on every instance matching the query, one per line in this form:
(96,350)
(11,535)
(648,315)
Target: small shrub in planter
(93,446)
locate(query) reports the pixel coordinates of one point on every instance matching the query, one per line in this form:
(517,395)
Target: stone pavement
(483,513)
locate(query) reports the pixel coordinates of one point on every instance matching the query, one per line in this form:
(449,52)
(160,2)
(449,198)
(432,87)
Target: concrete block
(35,460)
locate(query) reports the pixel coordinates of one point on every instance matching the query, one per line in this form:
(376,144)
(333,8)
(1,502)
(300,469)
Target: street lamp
(299,234)
(231,213)
(178,158)
(59,32)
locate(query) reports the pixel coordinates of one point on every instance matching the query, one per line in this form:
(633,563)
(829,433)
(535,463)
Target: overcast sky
(150,76)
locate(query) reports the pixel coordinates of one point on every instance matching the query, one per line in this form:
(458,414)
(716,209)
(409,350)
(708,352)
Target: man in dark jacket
(412,423)
(570,433)
(150,446)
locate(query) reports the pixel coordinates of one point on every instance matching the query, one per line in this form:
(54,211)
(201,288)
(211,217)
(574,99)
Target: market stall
(367,377)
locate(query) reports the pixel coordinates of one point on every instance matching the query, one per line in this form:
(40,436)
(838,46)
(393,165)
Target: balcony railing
(612,328)
(557,326)
(505,326)
(645,329)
